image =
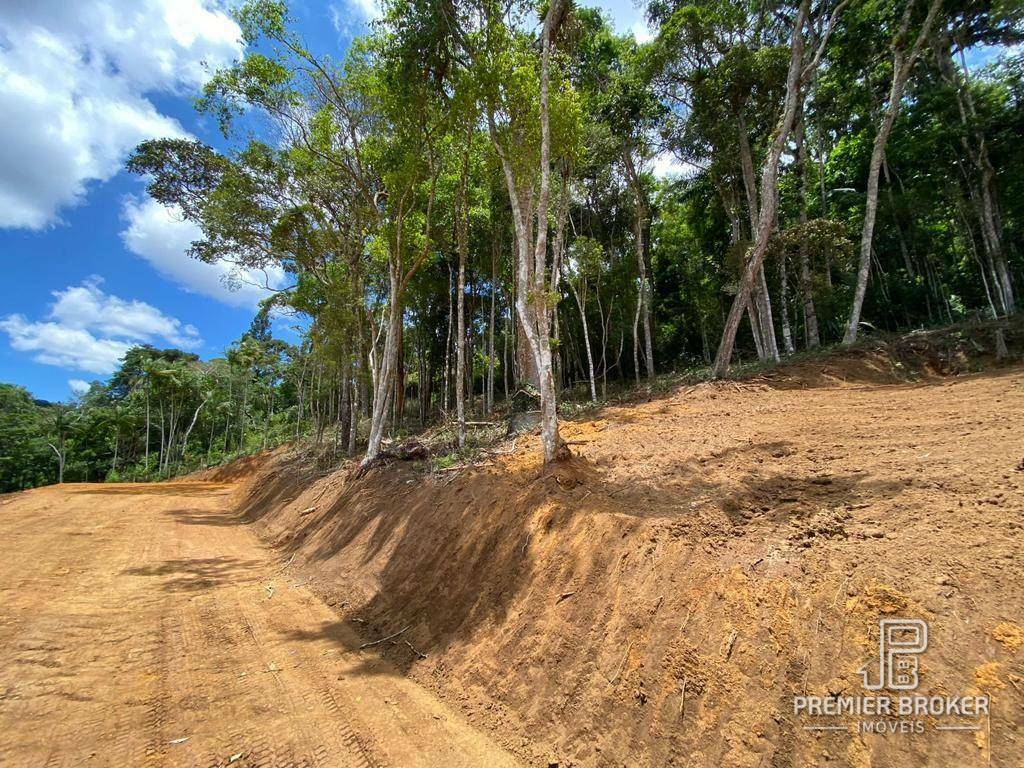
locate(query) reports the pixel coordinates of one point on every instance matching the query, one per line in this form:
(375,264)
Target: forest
(484,207)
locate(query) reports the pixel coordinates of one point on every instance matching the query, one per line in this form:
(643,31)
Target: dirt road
(140,625)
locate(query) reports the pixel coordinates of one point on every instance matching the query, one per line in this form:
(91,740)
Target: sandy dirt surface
(659,600)
(706,557)
(141,625)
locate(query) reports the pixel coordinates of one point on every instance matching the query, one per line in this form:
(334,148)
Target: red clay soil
(140,625)
(661,598)
(658,600)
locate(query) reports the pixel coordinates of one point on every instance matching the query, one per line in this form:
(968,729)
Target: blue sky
(90,265)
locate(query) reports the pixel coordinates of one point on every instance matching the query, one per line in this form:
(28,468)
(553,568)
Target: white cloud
(89,330)
(74,81)
(369,8)
(641,32)
(666,165)
(78,386)
(86,307)
(350,17)
(64,347)
(162,237)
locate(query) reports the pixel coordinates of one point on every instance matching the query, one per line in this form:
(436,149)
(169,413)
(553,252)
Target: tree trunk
(636,339)
(60,463)
(581,303)
(345,409)
(557,252)
(531,291)
(301,392)
(147,428)
(270,416)
(908,264)
(787,333)
(972,246)
(172,425)
(526,362)
(399,396)
(769,194)
(160,455)
(643,291)
(462,236)
(736,234)
(489,403)
(448,343)
(902,64)
(505,361)
(764,328)
(384,385)
(605,322)
(812,338)
(354,424)
(241,416)
(184,439)
(991,227)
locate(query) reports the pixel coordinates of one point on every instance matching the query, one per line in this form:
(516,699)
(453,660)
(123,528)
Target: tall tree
(904,55)
(800,70)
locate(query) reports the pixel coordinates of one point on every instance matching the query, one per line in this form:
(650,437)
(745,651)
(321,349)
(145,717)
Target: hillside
(705,557)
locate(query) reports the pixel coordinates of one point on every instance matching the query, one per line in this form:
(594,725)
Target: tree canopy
(472,208)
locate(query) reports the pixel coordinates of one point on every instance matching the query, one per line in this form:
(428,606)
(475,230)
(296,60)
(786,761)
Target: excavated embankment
(704,558)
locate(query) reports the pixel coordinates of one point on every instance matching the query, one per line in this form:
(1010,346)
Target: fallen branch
(454,468)
(457,467)
(1015,684)
(383,639)
(565,595)
(622,663)
(418,653)
(308,511)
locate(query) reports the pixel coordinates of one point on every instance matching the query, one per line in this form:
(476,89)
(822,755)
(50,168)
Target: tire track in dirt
(139,630)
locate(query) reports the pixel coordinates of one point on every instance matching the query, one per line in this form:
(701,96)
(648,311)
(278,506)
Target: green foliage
(162,412)
(385,172)
(25,459)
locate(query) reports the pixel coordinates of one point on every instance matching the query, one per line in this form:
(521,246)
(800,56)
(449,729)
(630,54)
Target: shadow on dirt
(199,574)
(176,488)
(912,359)
(206,517)
(447,559)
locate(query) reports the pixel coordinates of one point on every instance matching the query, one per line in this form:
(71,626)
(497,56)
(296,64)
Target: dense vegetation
(467,209)
(162,412)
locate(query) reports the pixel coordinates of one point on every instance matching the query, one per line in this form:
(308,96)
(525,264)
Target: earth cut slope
(660,599)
